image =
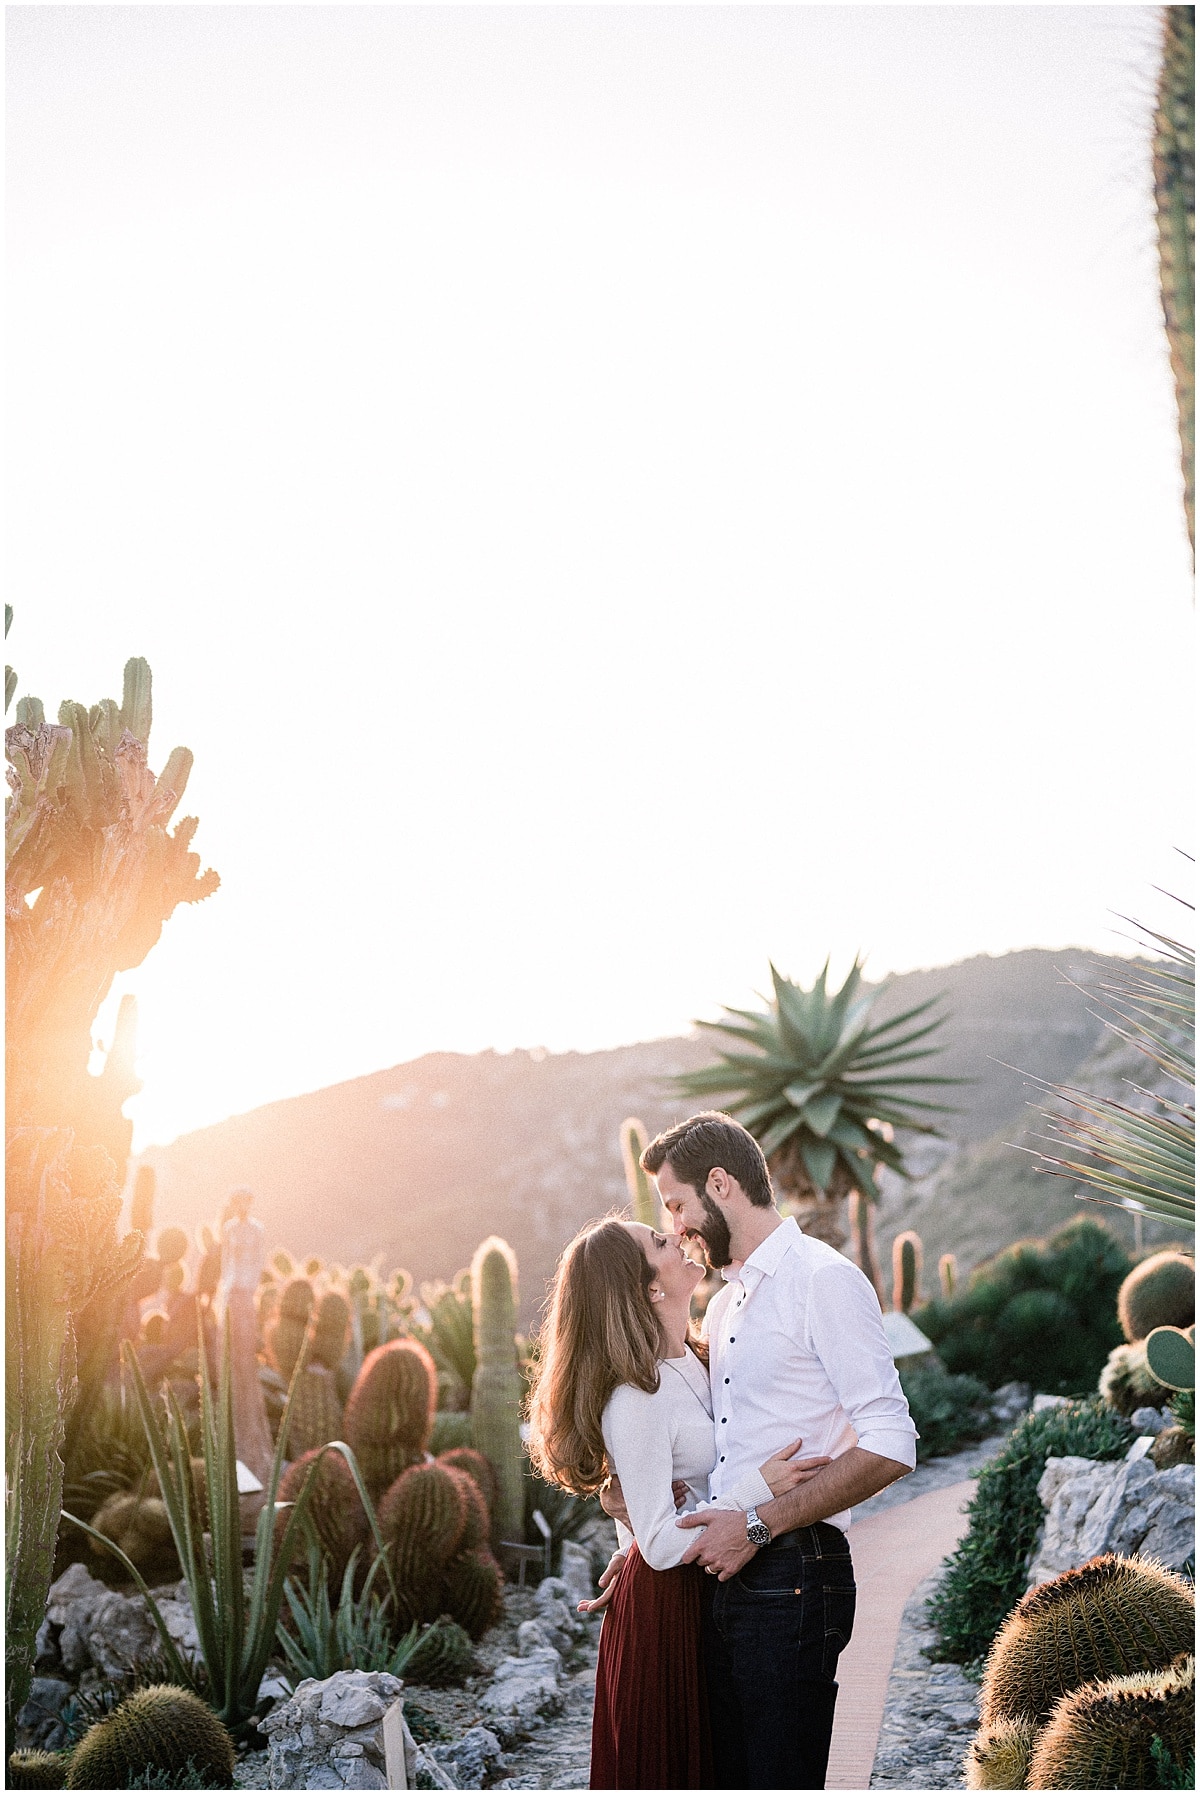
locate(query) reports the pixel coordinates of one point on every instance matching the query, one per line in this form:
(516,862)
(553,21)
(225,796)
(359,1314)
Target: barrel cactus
(1111,1617)
(37,1770)
(441,1655)
(907,1258)
(998,1756)
(140,1526)
(1102,1736)
(475,1590)
(465,1458)
(335,1510)
(497,1391)
(1127,1382)
(390,1411)
(423,1517)
(330,1331)
(1158,1293)
(316,1416)
(161,1728)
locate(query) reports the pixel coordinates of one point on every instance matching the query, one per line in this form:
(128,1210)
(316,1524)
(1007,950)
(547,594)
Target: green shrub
(985,1577)
(947,1409)
(1043,1312)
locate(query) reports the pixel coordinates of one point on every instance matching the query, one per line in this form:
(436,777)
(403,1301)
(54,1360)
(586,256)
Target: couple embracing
(724,1622)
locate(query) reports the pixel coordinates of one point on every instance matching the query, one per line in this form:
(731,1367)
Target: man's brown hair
(694,1147)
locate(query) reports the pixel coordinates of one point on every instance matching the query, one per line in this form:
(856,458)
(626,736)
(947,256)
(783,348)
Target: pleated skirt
(650,1725)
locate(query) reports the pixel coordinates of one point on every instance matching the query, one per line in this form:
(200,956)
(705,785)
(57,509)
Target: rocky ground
(931,1709)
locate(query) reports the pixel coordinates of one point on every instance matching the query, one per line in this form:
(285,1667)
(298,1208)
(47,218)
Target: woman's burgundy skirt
(650,1727)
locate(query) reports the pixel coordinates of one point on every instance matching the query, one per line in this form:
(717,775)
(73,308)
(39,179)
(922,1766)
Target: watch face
(758,1533)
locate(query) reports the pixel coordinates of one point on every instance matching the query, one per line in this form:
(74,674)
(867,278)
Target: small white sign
(247,1482)
(1140,1448)
(904,1337)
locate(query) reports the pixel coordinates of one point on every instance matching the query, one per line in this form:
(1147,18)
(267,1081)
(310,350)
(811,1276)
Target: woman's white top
(654,1438)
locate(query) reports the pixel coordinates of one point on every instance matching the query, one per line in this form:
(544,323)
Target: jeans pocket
(838,1596)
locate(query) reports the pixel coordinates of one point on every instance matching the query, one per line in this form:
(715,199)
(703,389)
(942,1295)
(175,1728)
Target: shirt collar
(767,1256)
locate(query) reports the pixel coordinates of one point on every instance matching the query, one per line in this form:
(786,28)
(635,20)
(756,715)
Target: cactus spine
(1111,1617)
(389,1413)
(497,1391)
(475,1590)
(37,1770)
(948,1275)
(1175,195)
(285,1341)
(642,1199)
(441,1655)
(1158,1293)
(160,1728)
(998,1757)
(1102,1736)
(907,1258)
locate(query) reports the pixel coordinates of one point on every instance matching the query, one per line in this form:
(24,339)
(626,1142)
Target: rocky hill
(416,1164)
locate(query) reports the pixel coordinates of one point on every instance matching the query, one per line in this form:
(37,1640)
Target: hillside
(417,1163)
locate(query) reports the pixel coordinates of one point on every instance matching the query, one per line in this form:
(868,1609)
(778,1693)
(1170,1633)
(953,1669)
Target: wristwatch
(757,1532)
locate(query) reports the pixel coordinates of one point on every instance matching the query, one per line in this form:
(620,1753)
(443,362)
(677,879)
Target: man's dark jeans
(772,1636)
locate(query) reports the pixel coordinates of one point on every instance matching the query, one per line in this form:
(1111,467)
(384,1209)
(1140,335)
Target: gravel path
(930,1712)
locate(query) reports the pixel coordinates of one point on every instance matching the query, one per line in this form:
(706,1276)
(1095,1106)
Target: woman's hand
(783,1470)
(608,1583)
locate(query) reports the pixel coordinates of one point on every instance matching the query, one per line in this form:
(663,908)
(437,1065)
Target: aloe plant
(237,1635)
(820,1087)
(356,1635)
(1138,1153)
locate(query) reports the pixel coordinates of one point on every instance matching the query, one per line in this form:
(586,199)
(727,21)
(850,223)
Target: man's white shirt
(797,1349)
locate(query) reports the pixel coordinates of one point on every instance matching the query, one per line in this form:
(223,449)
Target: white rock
(1128,1507)
(329,1734)
(75,1585)
(535,1636)
(577,1573)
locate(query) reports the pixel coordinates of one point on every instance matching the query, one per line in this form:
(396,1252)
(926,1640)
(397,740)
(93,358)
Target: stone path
(930,1713)
(558,1756)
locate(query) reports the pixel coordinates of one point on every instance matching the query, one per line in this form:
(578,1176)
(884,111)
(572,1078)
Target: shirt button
(722,1458)
(723,1420)
(726,1380)
(732,1338)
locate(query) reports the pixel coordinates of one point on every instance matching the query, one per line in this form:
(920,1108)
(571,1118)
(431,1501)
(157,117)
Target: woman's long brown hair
(600,1331)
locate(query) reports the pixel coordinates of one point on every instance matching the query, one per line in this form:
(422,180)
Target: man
(796,1348)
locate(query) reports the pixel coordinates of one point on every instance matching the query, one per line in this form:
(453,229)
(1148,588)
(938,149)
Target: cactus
(1171,1356)
(642,1198)
(316,1411)
(1111,1617)
(1102,1736)
(160,1728)
(37,1770)
(330,1331)
(171,1245)
(422,1518)
(465,1458)
(998,1756)
(1175,196)
(496,1393)
(285,1342)
(441,1655)
(862,1227)
(1127,1382)
(390,1411)
(282,1262)
(1160,1292)
(475,1590)
(450,1337)
(907,1256)
(140,1526)
(334,1508)
(451,1432)
(948,1275)
(478,1526)
(1173,1446)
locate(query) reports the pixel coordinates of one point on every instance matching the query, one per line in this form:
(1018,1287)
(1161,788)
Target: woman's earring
(656,1296)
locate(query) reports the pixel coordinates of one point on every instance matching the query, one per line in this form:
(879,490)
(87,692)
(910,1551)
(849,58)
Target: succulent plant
(497,1391)
(160,1728)
(334,1508)
(465,1458)
(1127,1382)
(37,1770)
(1158,1293)
(316,1411)
(1102,1736)
(1111,1617)
(441,1655)
(907,1258)
(475,1590)
(450,1337)
(330,1331)
(998,1756)
(1171,1356)
(862,1232)
(642,1198)
(948,1275)
(821,1089)
(141,1527)
(289,1330)
(390,1411)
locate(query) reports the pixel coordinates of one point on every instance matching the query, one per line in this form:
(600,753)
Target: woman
(619,1390)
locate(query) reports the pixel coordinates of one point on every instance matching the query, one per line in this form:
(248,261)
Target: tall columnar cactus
(289,1331)
(948,1275)
(390,1411)
(1103,1736)
(1175,195)
(1158,1293)
(92,873)
(642,1197)
(159,1728)
(907,1258)
(497,1391)
(862,1229)
(1111,1617)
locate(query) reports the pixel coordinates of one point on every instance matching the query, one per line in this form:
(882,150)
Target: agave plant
(821,1092)
(1139,1153)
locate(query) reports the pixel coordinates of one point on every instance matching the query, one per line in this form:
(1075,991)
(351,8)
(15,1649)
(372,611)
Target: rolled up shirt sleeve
(845,1328)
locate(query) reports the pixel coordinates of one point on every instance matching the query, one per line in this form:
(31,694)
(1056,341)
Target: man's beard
(714,1234)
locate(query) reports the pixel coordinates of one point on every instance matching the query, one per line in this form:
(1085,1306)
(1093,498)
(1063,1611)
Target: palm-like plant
(1139,1153)
(821,1091)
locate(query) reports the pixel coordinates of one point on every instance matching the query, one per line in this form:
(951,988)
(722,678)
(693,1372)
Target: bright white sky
(609,495)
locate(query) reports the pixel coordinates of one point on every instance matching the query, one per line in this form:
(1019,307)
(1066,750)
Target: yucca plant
(1138,1158)
(821,1091)
(236,1635)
